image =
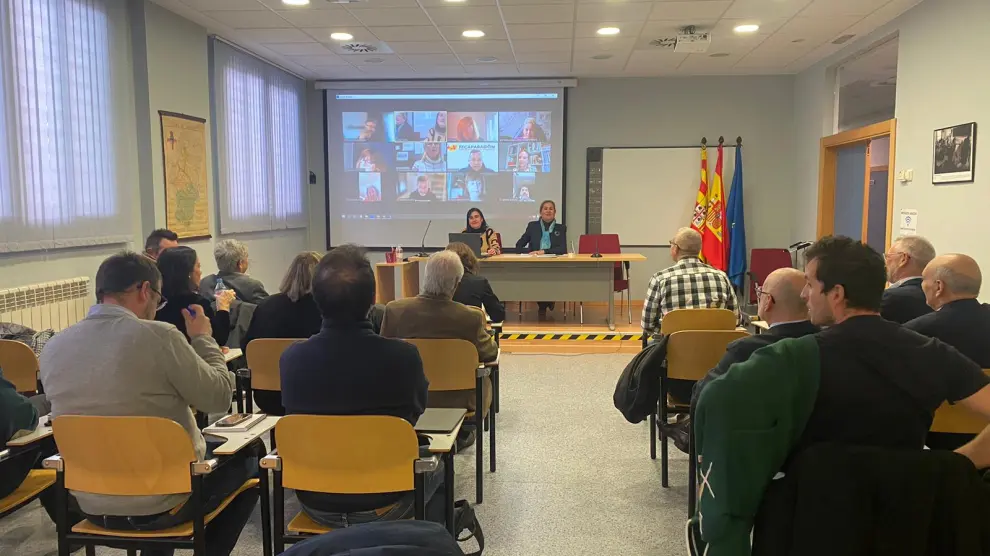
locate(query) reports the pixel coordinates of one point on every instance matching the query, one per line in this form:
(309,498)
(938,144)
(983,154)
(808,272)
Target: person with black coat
(181,276)
(545,236)
(905,260)
(474,289)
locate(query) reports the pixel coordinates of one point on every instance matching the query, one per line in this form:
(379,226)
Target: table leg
(611,299)
(448,484)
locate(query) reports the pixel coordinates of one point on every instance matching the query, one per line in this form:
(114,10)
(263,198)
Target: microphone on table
(596,254)
(422,245)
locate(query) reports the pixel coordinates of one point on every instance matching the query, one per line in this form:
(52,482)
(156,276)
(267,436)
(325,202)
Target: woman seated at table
(291,313)
(476,224)
(544,237)
(474,289)
(181,275)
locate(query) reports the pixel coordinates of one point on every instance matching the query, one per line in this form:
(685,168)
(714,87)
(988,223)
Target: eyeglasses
(163,301)
(760,293)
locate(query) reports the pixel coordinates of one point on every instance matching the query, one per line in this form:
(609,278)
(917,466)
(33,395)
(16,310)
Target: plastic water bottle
(220,287)
(398,254)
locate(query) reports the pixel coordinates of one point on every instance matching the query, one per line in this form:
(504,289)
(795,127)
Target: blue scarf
(545,239)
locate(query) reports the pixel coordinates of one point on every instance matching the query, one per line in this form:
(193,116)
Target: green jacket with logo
(746,423)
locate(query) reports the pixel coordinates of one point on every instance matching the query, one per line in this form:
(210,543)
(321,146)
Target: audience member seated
(688,284)
(905,260)
(291,313)
(119,361)
(347,369)
(474,289)
(951,284)
(434,314)
(232,261)
(158,241)
(180,273)
(779,304)
(19,415)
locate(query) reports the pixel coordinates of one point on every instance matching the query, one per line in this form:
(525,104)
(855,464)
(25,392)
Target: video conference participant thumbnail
(421,157)
(363,126)
(472,157)
(421,187)
(417,126)
(524,157)
(476,186)
(472,126)
(370,187)
(524,126)
(369,157)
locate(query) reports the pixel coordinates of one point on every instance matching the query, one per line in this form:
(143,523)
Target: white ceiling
(538,38)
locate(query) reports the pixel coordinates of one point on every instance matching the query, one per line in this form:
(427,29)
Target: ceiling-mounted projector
(690,42)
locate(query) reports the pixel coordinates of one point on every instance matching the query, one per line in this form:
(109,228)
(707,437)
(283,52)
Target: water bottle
(219,287)
(398,254)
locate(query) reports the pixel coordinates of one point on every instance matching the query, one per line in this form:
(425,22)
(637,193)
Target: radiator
(56,305)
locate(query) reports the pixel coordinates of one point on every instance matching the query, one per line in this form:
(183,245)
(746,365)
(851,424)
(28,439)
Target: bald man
(951,284)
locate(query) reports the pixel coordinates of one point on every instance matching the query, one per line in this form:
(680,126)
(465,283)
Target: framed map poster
(184,153)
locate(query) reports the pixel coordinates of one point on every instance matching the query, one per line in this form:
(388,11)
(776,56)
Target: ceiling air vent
(359,47)
(667,43)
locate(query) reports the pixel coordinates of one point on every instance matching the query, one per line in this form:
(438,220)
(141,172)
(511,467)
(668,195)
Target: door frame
(826,174)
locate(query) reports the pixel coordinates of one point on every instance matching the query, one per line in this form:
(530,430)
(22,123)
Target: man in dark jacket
(779,304)
(951,284)
(905,260)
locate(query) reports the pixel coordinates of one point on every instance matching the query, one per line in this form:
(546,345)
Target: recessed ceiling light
(486,59)
(748,28)
(719,55)
(374,60)
(608,31)
(296,2)
(341,36)
(601,56)
(473,34)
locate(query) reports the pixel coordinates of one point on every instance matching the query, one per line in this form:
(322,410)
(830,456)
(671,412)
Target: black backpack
(638,391)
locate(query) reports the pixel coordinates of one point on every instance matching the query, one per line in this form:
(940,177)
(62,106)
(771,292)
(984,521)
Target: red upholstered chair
(762,263)
(608,244)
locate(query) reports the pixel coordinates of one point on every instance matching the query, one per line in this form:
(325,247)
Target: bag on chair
(465,520)
(638,390)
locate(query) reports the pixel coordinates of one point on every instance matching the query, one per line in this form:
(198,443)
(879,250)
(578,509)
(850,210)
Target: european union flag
(737,227)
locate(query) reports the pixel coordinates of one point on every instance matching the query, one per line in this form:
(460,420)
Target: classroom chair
(130,456)
(690,355)
(338,454)
(262,373)
(609,244)
(37,482)
(453,365)
(956,419)
(697,319)
(19,365)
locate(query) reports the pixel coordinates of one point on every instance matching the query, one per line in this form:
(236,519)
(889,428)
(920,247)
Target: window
(258,126)
(58,179)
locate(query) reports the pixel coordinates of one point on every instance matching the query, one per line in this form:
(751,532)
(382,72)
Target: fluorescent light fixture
(341,36)
(296,2)
(748,28)
(473,34)
(608,31)
(455,1)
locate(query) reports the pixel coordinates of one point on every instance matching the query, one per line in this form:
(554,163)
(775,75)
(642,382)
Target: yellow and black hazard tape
(606,337)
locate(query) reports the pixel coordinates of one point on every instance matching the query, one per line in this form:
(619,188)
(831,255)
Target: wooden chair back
(697,319)
(19,365)
(449,364)
(957,419)
(262,358)
(124,456)
(692,353)
(347,454)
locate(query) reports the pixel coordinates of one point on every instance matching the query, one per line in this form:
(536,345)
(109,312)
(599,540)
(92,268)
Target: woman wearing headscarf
(476,224)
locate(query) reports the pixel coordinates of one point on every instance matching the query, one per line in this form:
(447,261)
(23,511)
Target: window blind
(58,177)
(260,143)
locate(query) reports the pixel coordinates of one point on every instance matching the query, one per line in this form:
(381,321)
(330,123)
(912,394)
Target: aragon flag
(701,204)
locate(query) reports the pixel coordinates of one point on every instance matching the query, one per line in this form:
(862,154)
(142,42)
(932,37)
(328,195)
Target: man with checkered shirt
(688,284)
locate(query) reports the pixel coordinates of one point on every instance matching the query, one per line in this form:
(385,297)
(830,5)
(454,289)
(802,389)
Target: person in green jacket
(18,413)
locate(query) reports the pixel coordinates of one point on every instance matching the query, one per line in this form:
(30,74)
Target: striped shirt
(689,284)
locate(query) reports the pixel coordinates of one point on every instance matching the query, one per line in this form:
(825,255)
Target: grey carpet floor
(574,478)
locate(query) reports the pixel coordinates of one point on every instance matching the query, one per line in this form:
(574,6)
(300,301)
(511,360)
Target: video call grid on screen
(399,160)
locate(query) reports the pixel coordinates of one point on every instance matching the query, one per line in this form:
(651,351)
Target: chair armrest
(425,465)
(272,461)
(204,467)
(53,462)
(243,372)
(4,454)
(483,371)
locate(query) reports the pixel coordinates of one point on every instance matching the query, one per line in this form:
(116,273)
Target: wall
(679,111)
(27,268)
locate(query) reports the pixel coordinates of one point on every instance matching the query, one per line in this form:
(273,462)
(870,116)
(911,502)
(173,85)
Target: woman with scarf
(545,236)
(476,224)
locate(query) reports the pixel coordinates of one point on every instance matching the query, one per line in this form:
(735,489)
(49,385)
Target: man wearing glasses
(905,261)
(119,361)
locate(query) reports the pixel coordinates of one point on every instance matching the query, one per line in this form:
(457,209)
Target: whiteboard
(648,193)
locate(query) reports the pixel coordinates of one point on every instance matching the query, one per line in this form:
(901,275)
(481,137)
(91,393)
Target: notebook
(439,420)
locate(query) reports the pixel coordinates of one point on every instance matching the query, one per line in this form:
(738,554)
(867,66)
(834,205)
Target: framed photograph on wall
(954,154)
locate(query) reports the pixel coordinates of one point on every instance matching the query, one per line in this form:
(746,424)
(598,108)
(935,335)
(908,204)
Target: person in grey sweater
(232,261)
(119,361)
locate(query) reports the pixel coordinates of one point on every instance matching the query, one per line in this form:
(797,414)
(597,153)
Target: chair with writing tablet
(19,365)
(262,373)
